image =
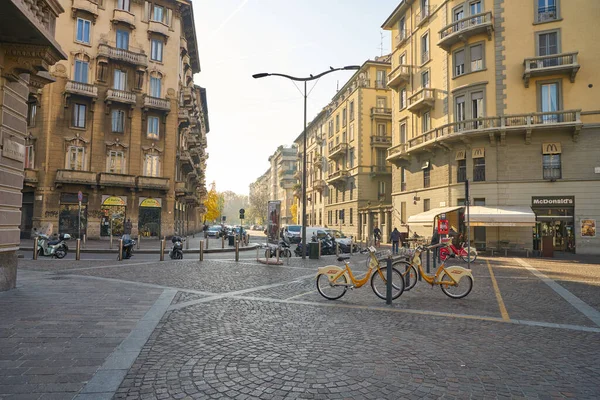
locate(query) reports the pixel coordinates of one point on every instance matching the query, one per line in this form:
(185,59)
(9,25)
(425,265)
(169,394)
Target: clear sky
(249,118)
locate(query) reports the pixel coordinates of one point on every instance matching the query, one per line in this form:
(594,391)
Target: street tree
(213,204)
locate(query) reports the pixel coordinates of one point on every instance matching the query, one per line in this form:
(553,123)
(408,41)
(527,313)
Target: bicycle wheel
(473,255)
(458,291)
(409,272)
(329,291)
(379,285)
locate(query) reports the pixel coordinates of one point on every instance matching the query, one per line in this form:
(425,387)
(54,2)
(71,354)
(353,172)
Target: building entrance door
(562,233)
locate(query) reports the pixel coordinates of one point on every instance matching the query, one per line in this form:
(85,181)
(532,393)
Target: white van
(319,231)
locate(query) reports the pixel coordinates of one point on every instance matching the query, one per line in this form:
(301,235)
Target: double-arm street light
(310,78)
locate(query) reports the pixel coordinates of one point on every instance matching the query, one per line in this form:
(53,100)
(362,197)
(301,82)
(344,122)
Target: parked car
(214,231)
(292,233)
(343,240)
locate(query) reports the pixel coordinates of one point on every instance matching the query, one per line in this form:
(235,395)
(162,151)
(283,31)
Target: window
(83,30)
(157,50)
(381,102)
(479,169)
(546,10)
(426,175)
(476,57)
(402,29)
(403,132)
(75,158)
(337,123)
(461,171)
(402,98)
(402,179)
(351,158)
(460,111)
(469,105)
(81,71)
(123,5)
(352,110)
(344,117)
(547,43)
(477,107)
(425,122)
(151,165)
(350,216)
(116,162)
(118,121)
(79,115)
(122,39)
(153,127)
(551,166)
(351,132)
(155,86)
(459,63)
(31,113)
(380,79)
(424,48)
(351,190)
(120,81)
(381,189)
(549,102)
(426,204)
(159,14)
(474,9)
(331,128)
(29,157)
(425,79)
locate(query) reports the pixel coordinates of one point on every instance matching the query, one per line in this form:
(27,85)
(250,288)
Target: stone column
(369,225)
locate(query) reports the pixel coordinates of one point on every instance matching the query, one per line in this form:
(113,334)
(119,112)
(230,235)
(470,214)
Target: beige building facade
(282,180)
(28,49)
(500,93)
(124,124)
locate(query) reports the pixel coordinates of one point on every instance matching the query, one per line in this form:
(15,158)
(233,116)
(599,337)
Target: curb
(145,251)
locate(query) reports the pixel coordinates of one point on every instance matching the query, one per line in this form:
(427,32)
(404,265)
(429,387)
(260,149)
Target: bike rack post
(277,255)
(78,250)
(139,241)
(35,248)
(120,256)
(428,260)
(84,239)
(257,254)
(388,294)
(337,249)
(222,241)
(434,254)
(206,242)
(111,240)
(237,249)
(351,245)
(162,249)
(319,255)
(201,250)
(187,243)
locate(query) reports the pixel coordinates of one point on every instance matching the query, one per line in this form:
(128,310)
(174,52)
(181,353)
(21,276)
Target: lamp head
(261,75)
(349,67)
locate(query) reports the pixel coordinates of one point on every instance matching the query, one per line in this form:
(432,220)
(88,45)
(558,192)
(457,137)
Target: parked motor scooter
(53,248)
(327,246)
(176,252)
(128,244)
(284,250)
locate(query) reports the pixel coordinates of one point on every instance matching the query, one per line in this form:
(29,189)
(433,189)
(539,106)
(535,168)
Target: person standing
(127,227)
(377,236)
(395,236)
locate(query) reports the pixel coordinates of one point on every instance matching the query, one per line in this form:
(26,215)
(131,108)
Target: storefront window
(150,217)
(114,209)
(68,218)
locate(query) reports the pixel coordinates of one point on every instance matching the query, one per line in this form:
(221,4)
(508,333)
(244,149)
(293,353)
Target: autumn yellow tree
(294,212)
(213,204)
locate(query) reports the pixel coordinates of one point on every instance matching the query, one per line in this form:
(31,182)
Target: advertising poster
(588,228)
(274,221)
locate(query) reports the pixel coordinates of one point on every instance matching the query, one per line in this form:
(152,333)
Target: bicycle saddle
(343,258)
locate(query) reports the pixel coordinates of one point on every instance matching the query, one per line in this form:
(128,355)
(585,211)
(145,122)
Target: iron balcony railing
(135,57)
(84,89)
(401,37)
(466,27)
(398,75)
(551,64)
(546,14)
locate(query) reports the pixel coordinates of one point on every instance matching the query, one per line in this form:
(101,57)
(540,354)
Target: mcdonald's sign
(460,155)
(478,152)
(551,148)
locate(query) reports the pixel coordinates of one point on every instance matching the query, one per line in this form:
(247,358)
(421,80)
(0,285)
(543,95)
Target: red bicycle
(451,251)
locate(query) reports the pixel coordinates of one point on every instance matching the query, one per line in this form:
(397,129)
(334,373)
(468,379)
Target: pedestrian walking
(377,236)
(395,236)
(127,227)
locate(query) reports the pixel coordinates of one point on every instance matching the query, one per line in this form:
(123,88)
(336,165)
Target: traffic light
(242,211)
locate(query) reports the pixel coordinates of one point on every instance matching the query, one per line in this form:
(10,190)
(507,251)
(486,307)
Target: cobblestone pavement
(250,331)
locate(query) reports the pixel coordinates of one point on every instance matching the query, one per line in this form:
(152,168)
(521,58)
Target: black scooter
(176,252)
(128,244)
(327,247)
(284,250)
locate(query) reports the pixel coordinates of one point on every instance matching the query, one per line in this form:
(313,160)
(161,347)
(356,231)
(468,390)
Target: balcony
(422,16)
(186,62)
(377,170)
(319,185)
(399,76)
(158,27)
(123,16)
(397,154)
(187,95)
(318,161)
(556,64)
(381,112)
(120,180)
(134,57)
(120,96)
(338,177)
(339,150)
(184,116)
(461,30)
(381,141)
(82,89)
(156,103)
(546,14)
(183,45)
(180,189)
(31,177)
(76,177)
(401,37)
(287,183)
(86,5)
(152,182)
(422,100)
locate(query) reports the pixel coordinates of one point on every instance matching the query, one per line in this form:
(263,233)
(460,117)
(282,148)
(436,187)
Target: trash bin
(231,239)
(313,250)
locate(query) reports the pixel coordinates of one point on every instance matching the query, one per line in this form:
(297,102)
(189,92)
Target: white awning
(427,217)
(501,216)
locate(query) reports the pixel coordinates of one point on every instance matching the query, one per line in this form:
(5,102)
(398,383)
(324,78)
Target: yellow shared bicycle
(334,281)
(456,282)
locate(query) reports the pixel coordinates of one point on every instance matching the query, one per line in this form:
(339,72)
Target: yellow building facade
(124,124)
(500,93)
(282,180)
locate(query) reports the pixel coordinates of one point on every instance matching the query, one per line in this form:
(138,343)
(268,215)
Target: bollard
(120,256)
(201,250)
(388,295)
(139,241)
(407,266)
(84,239)
(187,243)
(237,250)
(277,255)
(337,249)
(351,245)
(319,255)
(222,241)
(206,242)
(257,254)
(111,239)
(35,248)
(78,250)
(162,249)
(428,260)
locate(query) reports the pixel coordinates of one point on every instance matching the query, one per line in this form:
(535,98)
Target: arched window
(81,67)
(156,84)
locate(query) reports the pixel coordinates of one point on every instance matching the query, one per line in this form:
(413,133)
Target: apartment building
(27,50)
(123,124)
(502,94)
(358,177)
(282,179)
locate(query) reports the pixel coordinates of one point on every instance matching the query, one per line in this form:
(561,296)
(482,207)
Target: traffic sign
(242,211)
(80,196)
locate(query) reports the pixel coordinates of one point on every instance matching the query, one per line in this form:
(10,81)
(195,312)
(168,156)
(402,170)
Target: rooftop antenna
(338,86)
(381,43)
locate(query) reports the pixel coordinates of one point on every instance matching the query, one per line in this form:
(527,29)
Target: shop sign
(150,202)
(478,152)
(113,201)
(460,155)
(588,228)
(565,201)
(13,150)
(551,148)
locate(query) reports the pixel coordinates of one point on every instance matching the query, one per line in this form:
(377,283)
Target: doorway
(562,231)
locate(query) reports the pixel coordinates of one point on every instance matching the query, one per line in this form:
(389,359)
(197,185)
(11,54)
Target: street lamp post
(310,78)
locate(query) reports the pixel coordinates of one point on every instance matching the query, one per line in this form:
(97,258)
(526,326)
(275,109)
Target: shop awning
(427,217)
(501,216)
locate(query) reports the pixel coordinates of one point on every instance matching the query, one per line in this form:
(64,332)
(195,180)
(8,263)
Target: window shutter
(460,57)
(169,16)
(476,53)
(147,8)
